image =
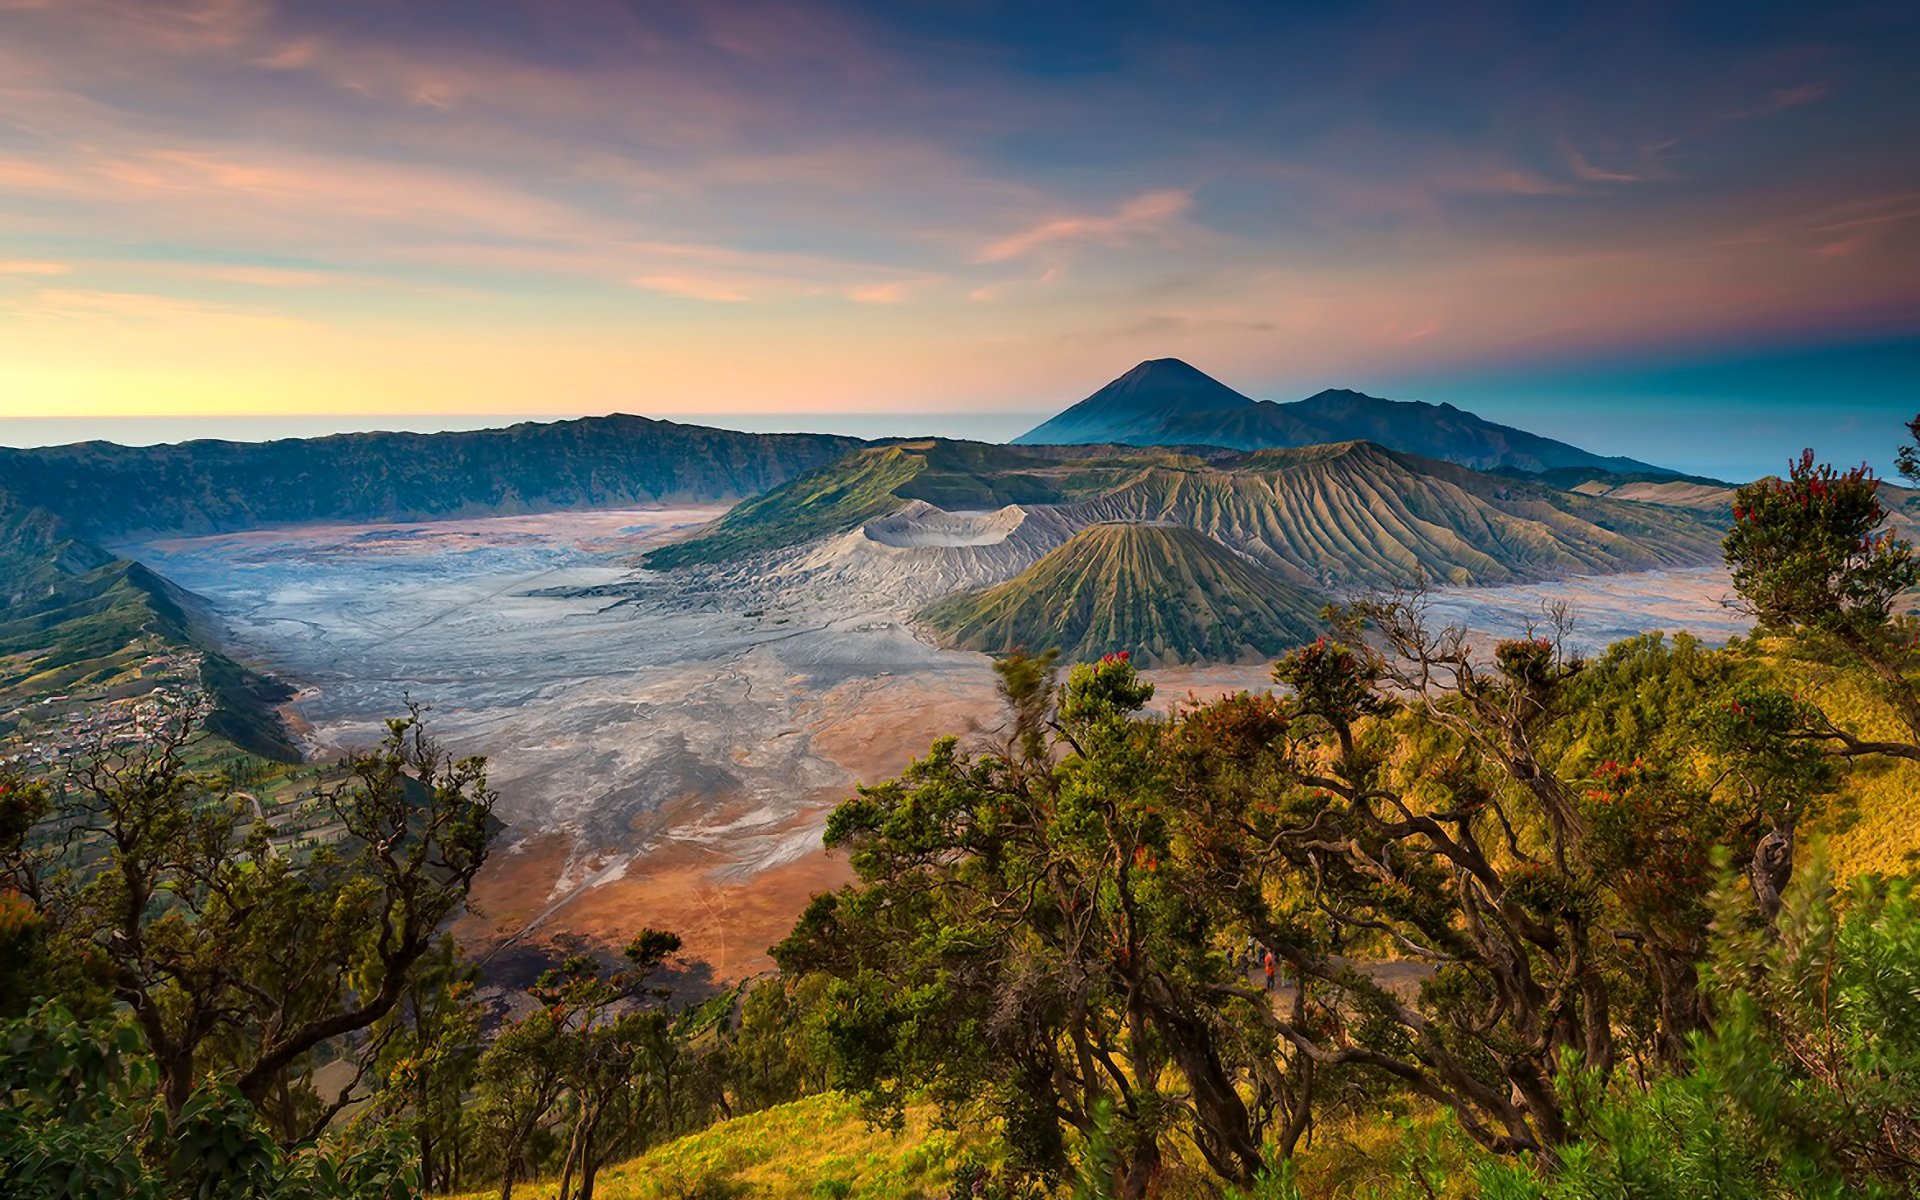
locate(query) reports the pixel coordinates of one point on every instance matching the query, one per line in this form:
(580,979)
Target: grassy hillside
(96,632)
(1873,822)
(831,500)
(817,1147)
(75,620)
(1162,593)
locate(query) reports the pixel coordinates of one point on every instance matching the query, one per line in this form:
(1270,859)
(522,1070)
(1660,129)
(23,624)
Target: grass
(1872,823)
(819,1148)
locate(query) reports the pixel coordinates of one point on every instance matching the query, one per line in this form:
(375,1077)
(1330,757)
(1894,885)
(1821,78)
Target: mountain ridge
(109,492)
(1336,515)
(1170,402)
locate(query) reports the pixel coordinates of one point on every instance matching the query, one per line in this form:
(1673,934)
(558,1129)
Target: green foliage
(81,1118)
(78,1102)
(1025,942)
(831,499)
(595,1071)
(238,960)
(1808,550)
(1806,1086)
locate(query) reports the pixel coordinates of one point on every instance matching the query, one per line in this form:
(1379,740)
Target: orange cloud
(693,288)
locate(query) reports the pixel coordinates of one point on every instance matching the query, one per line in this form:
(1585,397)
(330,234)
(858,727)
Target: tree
(235,959)
(1810,553)
(589,1045)
(1049,922)
(776,1048)
(1018,935)
(431,1046)
(81,1117)
(1807,1085)
(1557,899)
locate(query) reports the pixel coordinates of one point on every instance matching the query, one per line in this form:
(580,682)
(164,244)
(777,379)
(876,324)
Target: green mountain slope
(109,492)
(1355,514)
(1166,402)
(870,483)
(74,619)
(1163,593)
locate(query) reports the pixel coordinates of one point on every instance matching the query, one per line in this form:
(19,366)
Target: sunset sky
(1623,223)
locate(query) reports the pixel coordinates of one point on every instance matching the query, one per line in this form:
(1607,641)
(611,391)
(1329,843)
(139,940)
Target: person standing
(1269,963)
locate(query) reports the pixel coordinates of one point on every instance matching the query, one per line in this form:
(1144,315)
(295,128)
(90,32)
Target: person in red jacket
(1268,963)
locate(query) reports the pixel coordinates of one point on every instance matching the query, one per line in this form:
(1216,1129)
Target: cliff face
(106,491)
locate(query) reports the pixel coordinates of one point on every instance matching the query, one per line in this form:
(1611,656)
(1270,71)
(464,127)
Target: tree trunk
(1772,868)
(566,1172)
(589,1162)
(1138,1173)
(1300,1116)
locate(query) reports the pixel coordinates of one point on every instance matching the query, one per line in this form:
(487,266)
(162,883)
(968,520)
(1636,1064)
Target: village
(163,689)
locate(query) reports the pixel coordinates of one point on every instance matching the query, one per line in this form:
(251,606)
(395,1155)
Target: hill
(880,481)
(1166,402)
(1324,517)
(75,620)
(1356,514)
(109,492)
(1164,593)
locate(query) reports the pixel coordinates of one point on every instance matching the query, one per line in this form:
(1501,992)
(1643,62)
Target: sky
(1687,232)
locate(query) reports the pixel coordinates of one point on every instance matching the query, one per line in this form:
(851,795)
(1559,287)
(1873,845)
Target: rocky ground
(667,747)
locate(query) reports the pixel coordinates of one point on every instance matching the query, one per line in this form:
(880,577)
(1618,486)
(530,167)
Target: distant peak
(1169,369)
(1157,377)
(1343,396)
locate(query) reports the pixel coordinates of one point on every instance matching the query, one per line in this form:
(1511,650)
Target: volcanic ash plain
(667,745)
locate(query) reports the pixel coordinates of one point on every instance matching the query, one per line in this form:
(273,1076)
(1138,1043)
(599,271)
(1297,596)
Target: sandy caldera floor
(665,756)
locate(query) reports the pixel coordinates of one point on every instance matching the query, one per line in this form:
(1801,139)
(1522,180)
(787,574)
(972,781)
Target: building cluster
(161,693)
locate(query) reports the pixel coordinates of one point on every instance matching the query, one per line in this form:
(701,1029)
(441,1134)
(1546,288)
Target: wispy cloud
(1584,168)
(135,311)
(1780,100)
(694,287)
(940,198)
(1148,214)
